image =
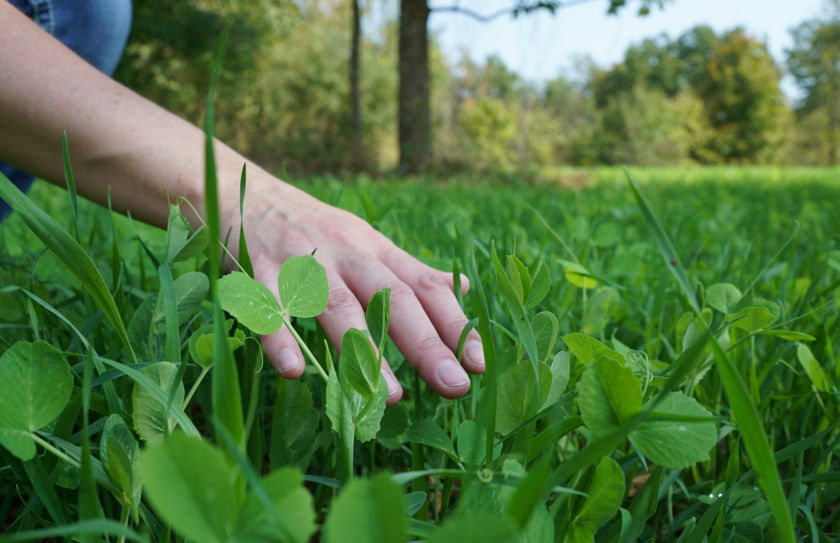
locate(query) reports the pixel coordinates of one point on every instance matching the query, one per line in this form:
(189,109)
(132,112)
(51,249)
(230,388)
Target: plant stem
(194,388)
(305,348)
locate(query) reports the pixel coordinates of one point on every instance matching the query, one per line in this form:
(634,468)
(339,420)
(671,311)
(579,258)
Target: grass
(553,442)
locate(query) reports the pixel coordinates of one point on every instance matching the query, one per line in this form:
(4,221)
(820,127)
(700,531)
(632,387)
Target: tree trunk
(415,126)
(357,144)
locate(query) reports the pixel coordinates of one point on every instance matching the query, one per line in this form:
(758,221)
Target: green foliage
(630,430)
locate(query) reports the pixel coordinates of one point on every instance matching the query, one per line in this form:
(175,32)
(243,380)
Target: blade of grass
(71,185)
(70,253)
(749,424)
(666,248)
(244,256)
(225,392)
(89,506)
(96,528)
(747,419)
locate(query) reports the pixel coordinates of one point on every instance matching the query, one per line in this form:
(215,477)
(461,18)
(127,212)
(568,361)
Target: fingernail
(393,386)
(475,352)
(287,361)
(451,374)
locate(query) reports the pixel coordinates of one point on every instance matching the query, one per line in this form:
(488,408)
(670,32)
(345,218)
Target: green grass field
(661,367)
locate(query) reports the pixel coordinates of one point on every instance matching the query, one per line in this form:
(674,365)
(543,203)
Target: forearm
(118,139)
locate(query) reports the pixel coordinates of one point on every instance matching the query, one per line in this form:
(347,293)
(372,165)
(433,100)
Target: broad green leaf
(587,349)
(481,528)
(35,386)
(202,340)
(303,288)
(192,486)
(471,442)
(182,242)
(577,275)
(293,519)
(724,297)
(372,511)
(429,433)
(599,310)
(676,443)
(520,277)
(378,315)
(294,425)
(120,455)
(540,284)
(560,369)
(520,395)
(516,310)
(149,414)
(190,291)
(603,498)
(697,328)
(545,332)
(606,235)
(363,414)
(250,302)
(752,318)
(608,395)
(812,368)
(358,364)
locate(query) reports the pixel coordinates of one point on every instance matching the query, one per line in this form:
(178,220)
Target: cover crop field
(661,365)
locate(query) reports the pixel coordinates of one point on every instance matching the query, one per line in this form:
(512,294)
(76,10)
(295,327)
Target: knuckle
(341,300)
(430,281)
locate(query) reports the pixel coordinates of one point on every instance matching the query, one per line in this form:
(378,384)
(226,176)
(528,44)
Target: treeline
(699,98)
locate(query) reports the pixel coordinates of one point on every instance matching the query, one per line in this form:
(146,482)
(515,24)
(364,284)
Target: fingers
(433,289)
(284,353)
(344,312)
(411,329)
(281,347)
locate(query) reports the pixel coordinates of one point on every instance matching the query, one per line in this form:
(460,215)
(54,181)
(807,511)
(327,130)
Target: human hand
(426,320)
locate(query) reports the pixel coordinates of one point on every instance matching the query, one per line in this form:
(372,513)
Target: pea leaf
(250,302)
(545,327)
(752,318)
(293,519)
(521,394)
(149,414)
(429,433)
(560,370)
(192,486)
(35,385)
(540,284)
(358,364)
(303,288)
(608,394)
(724,297)
(676,443)
(587,349)
(367,510)
(577,275)
(377,316)
(600,310)
(603,498)
(812,368)
(120,455)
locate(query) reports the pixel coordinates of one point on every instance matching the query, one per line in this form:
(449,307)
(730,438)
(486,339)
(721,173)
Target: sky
(541,46)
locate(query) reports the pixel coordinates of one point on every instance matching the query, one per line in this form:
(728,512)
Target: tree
(744,104)
(356,133)
(814,62)
(415,128)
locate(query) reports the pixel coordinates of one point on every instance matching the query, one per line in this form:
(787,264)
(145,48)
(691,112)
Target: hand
(426,320)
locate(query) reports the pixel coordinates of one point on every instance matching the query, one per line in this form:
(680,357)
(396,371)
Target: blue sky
(541,46)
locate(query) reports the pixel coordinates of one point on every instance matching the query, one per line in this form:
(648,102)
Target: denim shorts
(95,29)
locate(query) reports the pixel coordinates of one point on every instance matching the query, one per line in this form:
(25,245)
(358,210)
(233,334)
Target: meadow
(661,366)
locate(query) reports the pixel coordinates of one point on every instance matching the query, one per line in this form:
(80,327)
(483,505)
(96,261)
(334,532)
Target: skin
(149,157)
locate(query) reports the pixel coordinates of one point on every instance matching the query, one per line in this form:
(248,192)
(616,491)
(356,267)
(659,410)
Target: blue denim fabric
(95,29)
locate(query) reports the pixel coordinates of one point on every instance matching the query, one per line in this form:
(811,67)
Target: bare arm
(149,157)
